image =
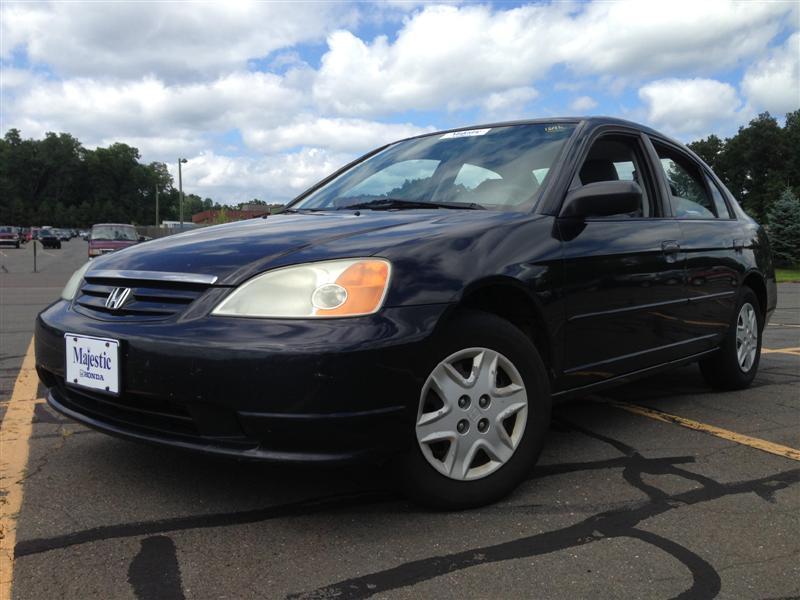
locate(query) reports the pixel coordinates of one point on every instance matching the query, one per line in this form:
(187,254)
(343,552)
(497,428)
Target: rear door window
(689,196)
(723,212)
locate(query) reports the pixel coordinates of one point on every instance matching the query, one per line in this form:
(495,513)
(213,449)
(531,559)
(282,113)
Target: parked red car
(108,237)
(9,235)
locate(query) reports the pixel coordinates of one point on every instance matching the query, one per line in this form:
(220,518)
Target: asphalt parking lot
(660,489)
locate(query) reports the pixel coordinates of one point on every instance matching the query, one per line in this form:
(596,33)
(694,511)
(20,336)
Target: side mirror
(603,199)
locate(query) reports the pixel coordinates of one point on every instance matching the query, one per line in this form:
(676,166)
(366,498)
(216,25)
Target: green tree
(754,164)
(758,162)
(710,150)
(784,229)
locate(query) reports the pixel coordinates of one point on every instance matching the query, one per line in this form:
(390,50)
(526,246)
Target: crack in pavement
(617,523)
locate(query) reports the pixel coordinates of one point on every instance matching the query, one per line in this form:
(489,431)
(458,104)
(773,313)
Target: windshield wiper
(297,211)
(398,203)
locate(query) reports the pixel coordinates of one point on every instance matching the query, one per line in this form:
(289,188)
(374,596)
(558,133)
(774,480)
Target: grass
(787,275)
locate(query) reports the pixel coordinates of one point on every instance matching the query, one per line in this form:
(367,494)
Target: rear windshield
(6,230)
(122,233)
(500,168)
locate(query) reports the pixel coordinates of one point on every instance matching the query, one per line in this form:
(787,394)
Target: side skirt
(628,377)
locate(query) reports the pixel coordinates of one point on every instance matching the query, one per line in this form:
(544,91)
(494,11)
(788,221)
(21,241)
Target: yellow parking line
(15,433)
(794,351)
(759,444)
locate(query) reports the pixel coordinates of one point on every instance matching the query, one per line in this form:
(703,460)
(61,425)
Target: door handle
(670,247)
(738,245)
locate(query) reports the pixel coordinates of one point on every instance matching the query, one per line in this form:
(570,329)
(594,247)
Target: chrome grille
(148,299)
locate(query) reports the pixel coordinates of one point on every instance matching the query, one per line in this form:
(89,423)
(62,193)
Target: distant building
(176,225)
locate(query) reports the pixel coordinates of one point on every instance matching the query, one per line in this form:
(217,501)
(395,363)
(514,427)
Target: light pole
(180,189)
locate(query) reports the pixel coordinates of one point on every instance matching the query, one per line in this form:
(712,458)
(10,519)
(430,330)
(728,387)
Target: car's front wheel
(482,416)
(734,365)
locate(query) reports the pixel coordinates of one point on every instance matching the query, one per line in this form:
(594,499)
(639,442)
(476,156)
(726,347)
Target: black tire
(58,246)
(424,484)
(16,245)
(722,370)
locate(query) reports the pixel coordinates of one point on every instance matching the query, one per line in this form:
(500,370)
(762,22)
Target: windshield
(500,168)
(115,233)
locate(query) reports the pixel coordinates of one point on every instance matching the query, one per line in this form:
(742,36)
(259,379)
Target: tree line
(56,181)
(758,163)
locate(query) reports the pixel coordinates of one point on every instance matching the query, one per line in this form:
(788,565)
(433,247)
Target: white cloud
(352,135)
(690,107)
(11,78)
(583,104)
(634,38)
(510,101)
(170,40)
(442,54)
(95,110)
(233,179)
(450,55)
(773,83)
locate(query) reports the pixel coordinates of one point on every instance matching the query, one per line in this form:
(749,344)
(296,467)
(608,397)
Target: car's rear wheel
(482,416)
(734,366)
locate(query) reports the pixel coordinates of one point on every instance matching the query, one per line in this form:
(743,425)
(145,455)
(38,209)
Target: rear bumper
(333,391)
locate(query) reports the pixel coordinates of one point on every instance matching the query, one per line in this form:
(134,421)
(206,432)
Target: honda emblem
(117,298)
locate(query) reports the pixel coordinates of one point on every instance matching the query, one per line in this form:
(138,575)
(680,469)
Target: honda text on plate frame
(423,307)
(92,362)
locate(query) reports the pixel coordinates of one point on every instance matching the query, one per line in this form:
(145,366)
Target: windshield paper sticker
(460,134)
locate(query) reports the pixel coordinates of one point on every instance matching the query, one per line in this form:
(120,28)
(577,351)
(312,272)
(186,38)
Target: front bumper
(334,390)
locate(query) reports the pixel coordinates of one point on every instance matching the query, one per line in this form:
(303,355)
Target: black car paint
(605,299)
(49,239)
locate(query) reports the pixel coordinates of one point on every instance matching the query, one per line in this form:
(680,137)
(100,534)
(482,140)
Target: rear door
(623,274)
(709,232)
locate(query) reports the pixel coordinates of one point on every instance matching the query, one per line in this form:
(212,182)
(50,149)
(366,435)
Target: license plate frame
(92,362)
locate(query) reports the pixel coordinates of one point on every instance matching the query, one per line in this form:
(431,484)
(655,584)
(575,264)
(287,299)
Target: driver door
(623,273)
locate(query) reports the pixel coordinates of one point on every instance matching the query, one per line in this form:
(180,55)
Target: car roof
(589,121)
(112,225)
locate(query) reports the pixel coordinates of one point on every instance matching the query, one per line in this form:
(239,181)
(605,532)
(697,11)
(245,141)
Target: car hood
(236,251)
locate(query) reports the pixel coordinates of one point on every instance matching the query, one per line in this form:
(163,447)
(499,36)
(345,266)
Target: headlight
(74,282)
(336,288)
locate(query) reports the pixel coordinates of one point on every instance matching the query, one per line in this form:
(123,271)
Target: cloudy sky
(266,98)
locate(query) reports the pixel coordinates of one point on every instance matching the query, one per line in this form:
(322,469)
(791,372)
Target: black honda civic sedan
(424,305)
